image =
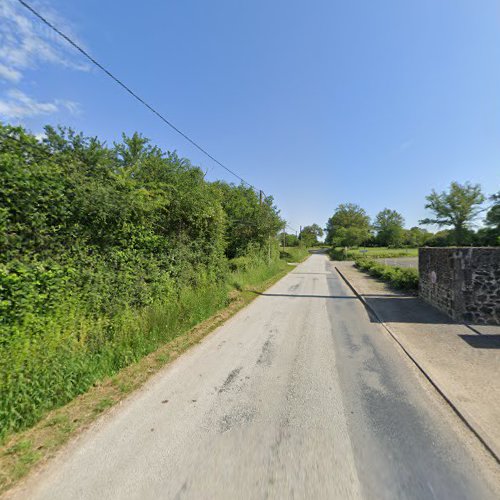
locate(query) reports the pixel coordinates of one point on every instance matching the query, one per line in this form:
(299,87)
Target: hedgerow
(107,252)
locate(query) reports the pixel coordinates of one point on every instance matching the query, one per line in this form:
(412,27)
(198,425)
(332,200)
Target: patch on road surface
(239,416)
(267,352)
(230,379)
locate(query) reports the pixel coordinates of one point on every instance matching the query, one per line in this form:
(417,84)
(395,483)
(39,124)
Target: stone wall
(462,282)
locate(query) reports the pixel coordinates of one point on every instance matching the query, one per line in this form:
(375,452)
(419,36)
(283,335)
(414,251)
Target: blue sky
(317,103)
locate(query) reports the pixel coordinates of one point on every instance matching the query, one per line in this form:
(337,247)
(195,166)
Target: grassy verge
(21,451)
(397,277)
(372,252)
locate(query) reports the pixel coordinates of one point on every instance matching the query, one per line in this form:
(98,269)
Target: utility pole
(260,197)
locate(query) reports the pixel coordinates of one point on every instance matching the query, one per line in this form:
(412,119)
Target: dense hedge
(105,252)
(398,277)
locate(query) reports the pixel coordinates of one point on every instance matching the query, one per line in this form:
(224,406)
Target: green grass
(23,449)
(74,351)
(251,273)
(294,254)
(398,277)
(44,371)
(372,252)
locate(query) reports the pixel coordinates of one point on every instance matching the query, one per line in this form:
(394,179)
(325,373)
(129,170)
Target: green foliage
(348,226)
(457,208)
(294,254)
(389,226)
(493,215)
(248,220)
(310,235)
(372,252)
(491,234)
(105,254)
(292,240)
(416,237)
(398,277)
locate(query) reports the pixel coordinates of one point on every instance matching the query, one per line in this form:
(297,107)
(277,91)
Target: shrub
(105,253)
(398,277)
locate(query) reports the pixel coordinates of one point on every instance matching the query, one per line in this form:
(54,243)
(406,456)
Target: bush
(240,264)
(105,253)
(398,277)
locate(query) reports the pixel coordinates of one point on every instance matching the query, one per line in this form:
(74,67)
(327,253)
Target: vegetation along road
(300,395)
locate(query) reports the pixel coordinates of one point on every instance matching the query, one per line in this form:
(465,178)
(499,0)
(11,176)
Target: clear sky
(318,102)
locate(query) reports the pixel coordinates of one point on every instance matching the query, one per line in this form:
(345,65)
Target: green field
(373,252)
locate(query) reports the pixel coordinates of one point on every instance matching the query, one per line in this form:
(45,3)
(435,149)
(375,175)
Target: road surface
(300,395)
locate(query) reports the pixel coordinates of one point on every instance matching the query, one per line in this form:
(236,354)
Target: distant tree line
(309,236)
(456,210)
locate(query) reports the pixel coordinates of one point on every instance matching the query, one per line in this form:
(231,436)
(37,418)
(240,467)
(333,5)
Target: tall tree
(348,226)
(310,235)
(457,208)
(250,222)
(490,235)
(389,226)
(493,215)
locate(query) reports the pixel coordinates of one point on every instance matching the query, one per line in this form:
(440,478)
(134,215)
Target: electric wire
(132,93)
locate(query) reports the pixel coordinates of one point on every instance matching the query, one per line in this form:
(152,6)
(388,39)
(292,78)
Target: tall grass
(71,349)
(40,372)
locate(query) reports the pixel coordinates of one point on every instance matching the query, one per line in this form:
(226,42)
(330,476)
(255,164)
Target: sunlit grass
(73,351)
(339,253)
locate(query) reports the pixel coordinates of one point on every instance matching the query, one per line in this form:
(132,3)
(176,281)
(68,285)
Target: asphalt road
(300,395)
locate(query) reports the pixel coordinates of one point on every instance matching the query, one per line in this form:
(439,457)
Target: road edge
(145,370)
(462,416)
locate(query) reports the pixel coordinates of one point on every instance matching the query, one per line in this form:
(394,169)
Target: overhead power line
(38,149)
(131,92)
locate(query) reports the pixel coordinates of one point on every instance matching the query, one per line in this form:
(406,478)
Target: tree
(457,208)
(493,215)
(250,223)
(348,226)
(389,226)
(416,237)
(291,239)
(490,235)
(310,234)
